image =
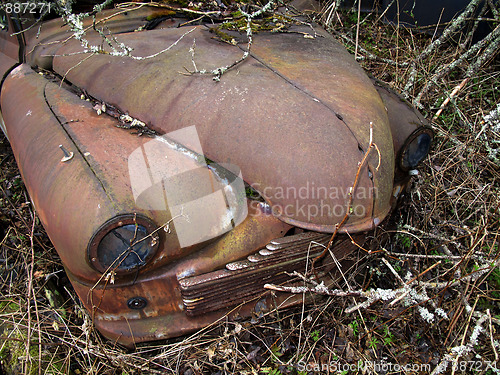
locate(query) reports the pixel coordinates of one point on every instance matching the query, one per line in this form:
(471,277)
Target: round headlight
(123,244)
(415,148)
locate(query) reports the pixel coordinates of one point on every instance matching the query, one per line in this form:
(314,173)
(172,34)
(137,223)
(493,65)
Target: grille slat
(242,281)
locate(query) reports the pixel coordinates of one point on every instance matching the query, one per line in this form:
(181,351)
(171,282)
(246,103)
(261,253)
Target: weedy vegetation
(426,292)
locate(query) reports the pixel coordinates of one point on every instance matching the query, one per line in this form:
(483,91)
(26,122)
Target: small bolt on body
(67,154)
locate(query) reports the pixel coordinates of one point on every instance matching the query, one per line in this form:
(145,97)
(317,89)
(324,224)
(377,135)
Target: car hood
(294,117)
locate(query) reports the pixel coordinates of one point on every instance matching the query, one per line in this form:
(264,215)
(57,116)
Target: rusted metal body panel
(260,113)
(99,168)
(333,78)
(54,186)
(9,45)
(295,118)
(403,118)
(93,187)
(43,42)
(7,62)
(164,314)
(177,305)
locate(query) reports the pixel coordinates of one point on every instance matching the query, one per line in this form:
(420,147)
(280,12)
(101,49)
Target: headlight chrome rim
(408,146)
(147,238)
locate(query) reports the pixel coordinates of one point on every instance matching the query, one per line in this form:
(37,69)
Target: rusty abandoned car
(232,183)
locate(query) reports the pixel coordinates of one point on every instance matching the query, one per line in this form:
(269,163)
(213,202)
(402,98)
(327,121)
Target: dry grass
(444,235)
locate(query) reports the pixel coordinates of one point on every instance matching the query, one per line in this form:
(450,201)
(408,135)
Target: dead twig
(352,190)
